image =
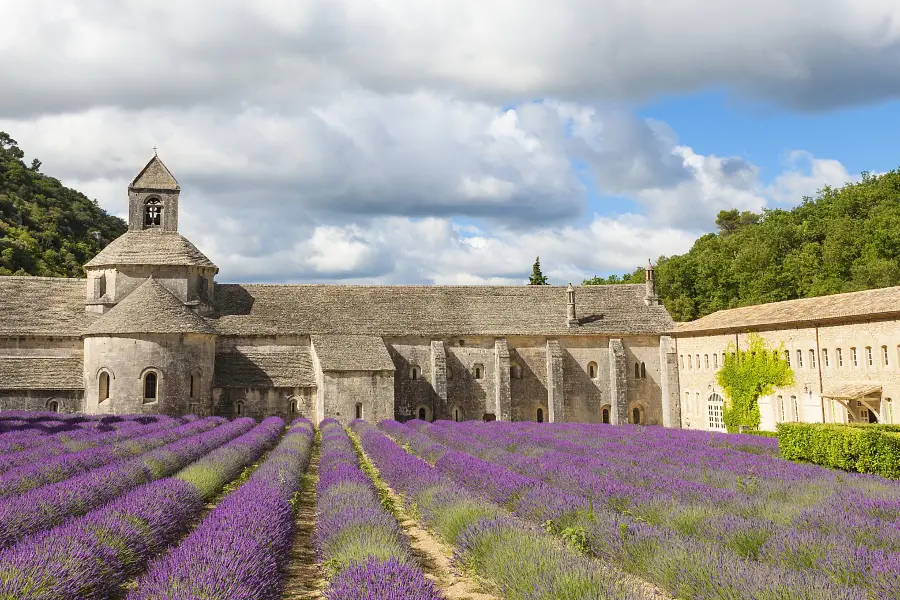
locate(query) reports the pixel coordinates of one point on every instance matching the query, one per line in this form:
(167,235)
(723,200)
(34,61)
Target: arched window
(195,384)
(715,406)
(780,400)
(889,410)
(423,413)
(884,356)
(292,408)
(153,213)
(479,370)
(540,415)
(515,371)
(150,387)
(687,402)
(359,410)
(637,415)
(414,373)
(53,406)
(104,386)
(715,361)
(593,371)
(457,415)
(604,415)
(637,370)
(644,370)
(706,361)
(239,408)
(795,407)
(812,359)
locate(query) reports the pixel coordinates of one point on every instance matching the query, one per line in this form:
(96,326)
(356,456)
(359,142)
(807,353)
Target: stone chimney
(571,319)
(650,297)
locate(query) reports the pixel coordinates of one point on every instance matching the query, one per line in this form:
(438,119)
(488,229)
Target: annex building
(150,330)
(844,350)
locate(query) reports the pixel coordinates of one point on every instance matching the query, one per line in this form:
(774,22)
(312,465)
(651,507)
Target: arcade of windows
(823,357)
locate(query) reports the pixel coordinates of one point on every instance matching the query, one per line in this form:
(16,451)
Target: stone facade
(844,351)
(149,307)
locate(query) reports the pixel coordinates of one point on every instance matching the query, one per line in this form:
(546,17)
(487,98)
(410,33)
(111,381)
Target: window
(715,361)
(593,371)
(869,360)
(604,415)
(456,415)
(643,371)
(423,413)
(787,357)
(150,385)
(853,360)
(637,370)
(104,386)
(714,407)
(690,362)
(698,362)
(101,285)
(515,371)
(840,357)
(682,358)
(687,402)
(195,384)
(889,410)
(359,410)
(53,406)
(540,415)
(239,408)
(799,359)
(153,213)
(825,357)
(637,415)
(488,417)
(795,407)
(479,371)
(292,408)
(698,407)
(884,356)
(706,360)
(414,373)
(449,373)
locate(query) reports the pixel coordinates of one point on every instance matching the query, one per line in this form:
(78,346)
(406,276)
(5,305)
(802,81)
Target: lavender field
(153,507)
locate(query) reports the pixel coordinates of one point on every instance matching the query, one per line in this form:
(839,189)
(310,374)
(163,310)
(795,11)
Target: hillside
(843,240)
(46,228)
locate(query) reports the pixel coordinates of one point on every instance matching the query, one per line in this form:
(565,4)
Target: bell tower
(153,198)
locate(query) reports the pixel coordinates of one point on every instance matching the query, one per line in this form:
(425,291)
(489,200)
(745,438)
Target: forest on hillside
(844,240)
(46,228)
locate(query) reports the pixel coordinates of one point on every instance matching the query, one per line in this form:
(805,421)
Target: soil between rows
(304,579)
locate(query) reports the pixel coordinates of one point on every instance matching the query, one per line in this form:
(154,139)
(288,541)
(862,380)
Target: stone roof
(41,373)
(43,306)
(150,247)
(434,310)
(352,353)
(852,391)
(868,304)
(151,308)
(155,176)
(265,366)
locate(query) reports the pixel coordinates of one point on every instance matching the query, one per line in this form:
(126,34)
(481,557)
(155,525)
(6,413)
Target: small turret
(650,297)
(571,319)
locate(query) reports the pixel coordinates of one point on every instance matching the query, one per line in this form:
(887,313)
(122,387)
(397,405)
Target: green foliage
(748,374)
(843,240)
(45,228)
(860,449)
(537,277)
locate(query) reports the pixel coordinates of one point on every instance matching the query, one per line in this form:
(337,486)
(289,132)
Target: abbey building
(150,330)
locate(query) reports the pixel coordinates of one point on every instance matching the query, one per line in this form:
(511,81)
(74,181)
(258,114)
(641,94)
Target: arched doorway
(715,407)
(53,406)
(489,417)
(540,415)
(637,415)
(605,415)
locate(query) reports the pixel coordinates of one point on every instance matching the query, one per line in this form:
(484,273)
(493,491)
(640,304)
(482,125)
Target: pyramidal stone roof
(150,247)
(150,308)
(155,176)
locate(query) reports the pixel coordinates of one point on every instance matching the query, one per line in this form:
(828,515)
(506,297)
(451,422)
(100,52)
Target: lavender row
(90,557)
(52,469)
(353,530)
(721,563)
(521,562)
(240,549)
(50,505)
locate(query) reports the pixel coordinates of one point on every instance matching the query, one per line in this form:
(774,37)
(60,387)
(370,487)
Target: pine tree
(537,277)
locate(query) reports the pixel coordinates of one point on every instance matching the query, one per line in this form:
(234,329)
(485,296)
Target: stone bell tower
(153,198)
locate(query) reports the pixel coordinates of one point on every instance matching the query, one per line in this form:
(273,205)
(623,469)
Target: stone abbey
(150,330)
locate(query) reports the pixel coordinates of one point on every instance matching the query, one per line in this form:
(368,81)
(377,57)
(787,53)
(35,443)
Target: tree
(537,277)
(730,221)
(747,375)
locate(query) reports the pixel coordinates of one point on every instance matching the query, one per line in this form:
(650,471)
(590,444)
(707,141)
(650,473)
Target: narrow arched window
(479,371)
(53,406)
(150,387)
(456,415)
(540,415)
(592,370)
(423,413)
(643,371)
(153,213)
(239,408)
(637,370)
(104,386)
(604,415)
(359,410)
(414,373)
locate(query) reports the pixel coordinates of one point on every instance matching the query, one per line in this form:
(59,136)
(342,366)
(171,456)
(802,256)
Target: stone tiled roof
(150,247)
(155,176)
(434,310)
(150,308)
(265,366)
(352,353)
(852,391)
(867,304)
(43,306)
(41,373)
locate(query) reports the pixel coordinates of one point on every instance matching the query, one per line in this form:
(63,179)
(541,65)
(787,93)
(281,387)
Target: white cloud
(805,176)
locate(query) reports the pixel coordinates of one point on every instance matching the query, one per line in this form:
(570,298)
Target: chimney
(650,297)
(571,319)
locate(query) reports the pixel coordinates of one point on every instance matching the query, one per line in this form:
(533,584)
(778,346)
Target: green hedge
(851,448)
(761,433)
(875,426)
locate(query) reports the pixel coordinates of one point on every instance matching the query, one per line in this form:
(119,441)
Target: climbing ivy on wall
(748,374)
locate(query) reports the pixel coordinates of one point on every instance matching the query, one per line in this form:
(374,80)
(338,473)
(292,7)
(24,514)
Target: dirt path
(303,577)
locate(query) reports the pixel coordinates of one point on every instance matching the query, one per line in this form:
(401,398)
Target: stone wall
(68,401)
(184,282)
(287,403)
(373,390)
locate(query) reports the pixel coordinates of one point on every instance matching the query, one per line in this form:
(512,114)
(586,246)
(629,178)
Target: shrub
(866,449)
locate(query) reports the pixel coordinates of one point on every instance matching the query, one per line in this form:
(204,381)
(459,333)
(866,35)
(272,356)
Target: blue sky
(452,141)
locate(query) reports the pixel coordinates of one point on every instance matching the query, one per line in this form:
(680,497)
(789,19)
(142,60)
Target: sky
(453,141)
